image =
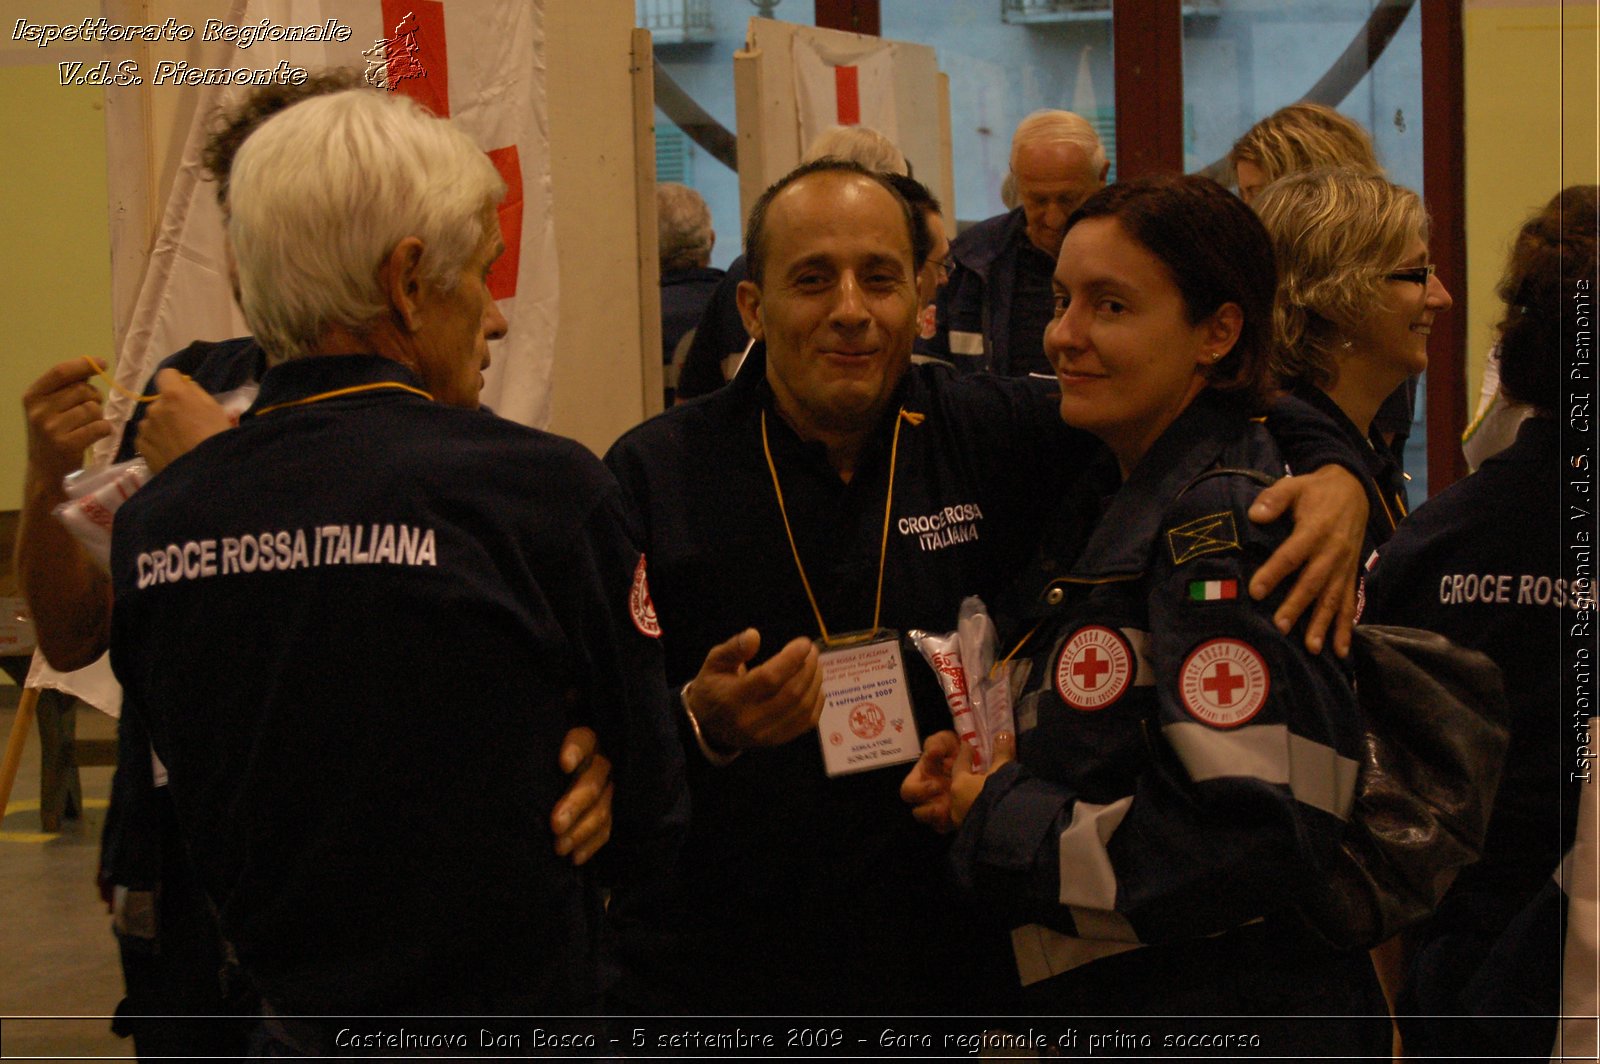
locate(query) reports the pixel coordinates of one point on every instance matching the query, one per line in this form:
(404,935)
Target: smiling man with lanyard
(831,497)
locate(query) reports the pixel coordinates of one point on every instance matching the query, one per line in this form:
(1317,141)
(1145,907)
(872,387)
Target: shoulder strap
(1264,479)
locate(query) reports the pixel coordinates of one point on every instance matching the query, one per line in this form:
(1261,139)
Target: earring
(1347,344)
(1216,356)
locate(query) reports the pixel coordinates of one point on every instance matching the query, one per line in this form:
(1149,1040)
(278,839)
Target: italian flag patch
(1213,590)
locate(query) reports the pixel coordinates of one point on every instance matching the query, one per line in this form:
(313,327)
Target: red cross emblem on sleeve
(1094,669)
(1223,683)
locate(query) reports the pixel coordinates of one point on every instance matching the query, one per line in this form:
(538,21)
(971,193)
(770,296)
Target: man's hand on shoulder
(1330,517)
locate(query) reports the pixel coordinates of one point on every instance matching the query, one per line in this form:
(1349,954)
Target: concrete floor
(59,977)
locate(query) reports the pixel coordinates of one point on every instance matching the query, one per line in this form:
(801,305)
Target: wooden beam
(642,78)
(1147,47)
(1444,189)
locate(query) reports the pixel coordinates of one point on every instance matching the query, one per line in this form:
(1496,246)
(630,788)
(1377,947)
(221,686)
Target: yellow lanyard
(354,388)
(1394,522)
(119,389)
(888,507)
(1399,502)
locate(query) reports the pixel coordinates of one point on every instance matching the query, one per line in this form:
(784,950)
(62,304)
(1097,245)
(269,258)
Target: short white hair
(859,144)
(321,195)
(1059,127)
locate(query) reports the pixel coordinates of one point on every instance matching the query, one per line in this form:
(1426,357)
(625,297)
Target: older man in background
(993,313)
(683,225)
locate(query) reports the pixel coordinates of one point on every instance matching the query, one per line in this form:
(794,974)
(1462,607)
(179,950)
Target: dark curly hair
(1549,292)
(229,128)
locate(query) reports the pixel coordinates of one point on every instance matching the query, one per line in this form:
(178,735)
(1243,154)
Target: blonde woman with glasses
(1357,299)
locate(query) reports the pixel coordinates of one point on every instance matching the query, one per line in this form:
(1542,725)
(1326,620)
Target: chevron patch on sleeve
(1206,535)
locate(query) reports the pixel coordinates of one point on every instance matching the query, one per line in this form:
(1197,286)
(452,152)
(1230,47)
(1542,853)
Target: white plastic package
(94,496)
(979,692)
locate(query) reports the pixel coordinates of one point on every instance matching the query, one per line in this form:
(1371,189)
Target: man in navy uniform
(170,954)
(1491,563)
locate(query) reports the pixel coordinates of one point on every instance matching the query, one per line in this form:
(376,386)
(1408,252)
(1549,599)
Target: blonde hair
(1059,127)
(1304,136)
(1335,231)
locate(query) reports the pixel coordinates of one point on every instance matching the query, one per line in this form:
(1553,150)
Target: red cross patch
(1094,669)
(640,606)
(867,721)
(1223,683)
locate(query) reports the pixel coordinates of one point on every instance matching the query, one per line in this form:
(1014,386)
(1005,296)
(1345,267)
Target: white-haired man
(992,315)
(169,948)
(358,625)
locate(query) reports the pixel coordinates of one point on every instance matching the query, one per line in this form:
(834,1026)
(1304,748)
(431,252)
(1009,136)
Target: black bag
(1435,717)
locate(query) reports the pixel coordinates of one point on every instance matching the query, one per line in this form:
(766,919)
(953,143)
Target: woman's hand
(966,785)
(927,788)
(1330,519)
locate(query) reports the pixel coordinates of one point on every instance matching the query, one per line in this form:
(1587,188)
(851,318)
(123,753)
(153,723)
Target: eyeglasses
(1414,274)
(943,266)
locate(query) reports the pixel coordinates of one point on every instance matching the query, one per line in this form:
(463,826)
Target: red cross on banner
(419,67)
(503,275)
(843,80)
(421,44)
(847,85)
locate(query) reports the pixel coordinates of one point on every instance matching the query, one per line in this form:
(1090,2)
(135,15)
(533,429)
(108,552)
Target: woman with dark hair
(1482,563)
(1183,769)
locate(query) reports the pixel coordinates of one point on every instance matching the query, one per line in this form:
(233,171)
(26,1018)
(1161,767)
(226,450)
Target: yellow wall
(1531,119)
(55,253)
(54,225)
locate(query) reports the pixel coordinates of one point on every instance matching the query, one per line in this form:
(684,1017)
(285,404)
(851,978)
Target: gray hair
(859,144)
(1060,127)
(683,223)
(322,193)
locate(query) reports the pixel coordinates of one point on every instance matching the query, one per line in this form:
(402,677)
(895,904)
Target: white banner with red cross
(847,83)
(478,62)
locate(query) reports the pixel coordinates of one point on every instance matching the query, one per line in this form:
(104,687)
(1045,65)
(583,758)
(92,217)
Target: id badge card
(866,715)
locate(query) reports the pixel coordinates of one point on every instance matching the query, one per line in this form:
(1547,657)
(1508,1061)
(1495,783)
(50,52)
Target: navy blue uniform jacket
(1483,563)
(358,628)
(1184,770)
